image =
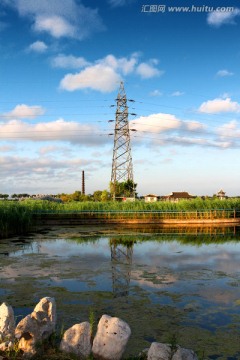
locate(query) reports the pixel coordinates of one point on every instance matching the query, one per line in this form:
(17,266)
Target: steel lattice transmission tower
(122,168)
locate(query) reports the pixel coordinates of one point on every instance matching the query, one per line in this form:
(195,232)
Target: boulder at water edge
(7,326)
(77,340)
(184,354)
(111,339)
(39,325)
(159,351)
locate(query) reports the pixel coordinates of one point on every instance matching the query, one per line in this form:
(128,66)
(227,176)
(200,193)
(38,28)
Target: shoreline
(75,219)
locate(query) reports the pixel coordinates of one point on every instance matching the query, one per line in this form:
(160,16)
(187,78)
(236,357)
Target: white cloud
(194,126)
(219,105)
(97,77)
(147,71)
(218,18)
(177,93)
(156,123)
(58,130)
(155,93)
(230,129)
(223,73)
(161,122)
(38,168)
(38,46)
(126,66)
(69,61)
(23,112)
(106,73)
(59,18)
(55,26)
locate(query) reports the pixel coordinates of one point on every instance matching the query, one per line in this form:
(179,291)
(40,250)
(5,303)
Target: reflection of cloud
(157,281)
(218,294)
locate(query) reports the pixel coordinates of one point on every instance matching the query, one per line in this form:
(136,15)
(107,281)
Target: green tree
(97,195)
(123,189)
(4,196)
(76,196)
(105,196)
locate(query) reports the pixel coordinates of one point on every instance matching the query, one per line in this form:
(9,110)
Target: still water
(170,285)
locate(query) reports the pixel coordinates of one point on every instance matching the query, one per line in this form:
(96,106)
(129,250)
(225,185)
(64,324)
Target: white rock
(37,326)
(7,324)
(77,340)
(184,354)
(111,339)
(159,351)
(45,313)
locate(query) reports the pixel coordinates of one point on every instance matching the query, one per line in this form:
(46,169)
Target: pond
(169,284)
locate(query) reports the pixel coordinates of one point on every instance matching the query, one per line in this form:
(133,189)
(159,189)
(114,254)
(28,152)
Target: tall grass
(17,217)
(183,205)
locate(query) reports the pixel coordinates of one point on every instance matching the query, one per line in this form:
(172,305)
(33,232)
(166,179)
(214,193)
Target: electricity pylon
(122,168)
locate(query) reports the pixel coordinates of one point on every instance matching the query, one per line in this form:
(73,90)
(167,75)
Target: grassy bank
(183,205)
(17,217)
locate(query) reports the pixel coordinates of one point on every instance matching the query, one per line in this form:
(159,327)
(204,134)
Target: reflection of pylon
(122,169)
(121,257)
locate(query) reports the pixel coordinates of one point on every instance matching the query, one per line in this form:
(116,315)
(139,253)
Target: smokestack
(83,183)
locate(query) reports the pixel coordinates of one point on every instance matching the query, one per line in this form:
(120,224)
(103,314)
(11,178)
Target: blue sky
(61,63)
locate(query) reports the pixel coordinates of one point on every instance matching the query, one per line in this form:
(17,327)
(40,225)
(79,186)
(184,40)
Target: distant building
(150,198)
(176,196)
(221,195)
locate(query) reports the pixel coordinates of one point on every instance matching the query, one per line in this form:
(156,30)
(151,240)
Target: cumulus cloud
(218,18)
(223,73)
(167,129)
(156,123)
(37,168)
(147,71)
(219,106)
(229,130)
(105,74)
(59,18)
(23,112)
(58,130)
(69,62)
(56,26)
(98,77)
(38,46)
(161,123)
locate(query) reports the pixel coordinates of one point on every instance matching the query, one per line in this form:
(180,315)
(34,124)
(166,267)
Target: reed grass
(17,217)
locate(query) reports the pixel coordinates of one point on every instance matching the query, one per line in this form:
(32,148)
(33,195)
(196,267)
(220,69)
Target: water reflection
(121,258)
(165,282)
